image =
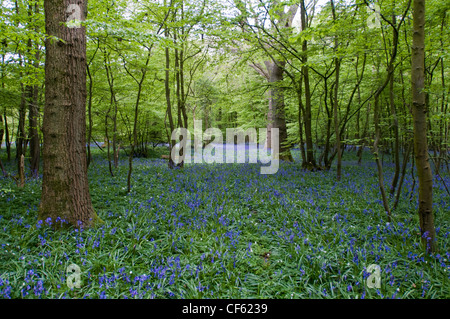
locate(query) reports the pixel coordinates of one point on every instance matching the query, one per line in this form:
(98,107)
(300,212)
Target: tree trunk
(394,125)
(337,62)
(311,162)
(277,117)
(336,121)
(419,111)
(89,132)
(21,136)
(301,109)
(7,138)
(376,153)
(32,99)
(33,135)
(65,188)
(168,101)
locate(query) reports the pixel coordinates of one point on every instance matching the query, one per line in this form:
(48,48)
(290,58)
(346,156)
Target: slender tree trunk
(336,122)
(2,127)
(65,187)
(32,95)
(136,117)
(311,162)
(21,136)
(89,131)
(7,138)
(443,127)
(180,118)
(376,152)
(3,169)
(277,109)
(326,160)
(424,174)
(402,176)
(91,84)
(168,101)
(134,142)
(396,148)
(337,62)
(300,120)
(108,145)
(113,104)
(33,116)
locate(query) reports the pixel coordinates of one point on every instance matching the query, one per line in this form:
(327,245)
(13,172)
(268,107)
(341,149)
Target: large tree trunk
(419,111)
(65,188)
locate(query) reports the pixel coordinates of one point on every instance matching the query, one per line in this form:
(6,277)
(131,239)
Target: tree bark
(65,188)
(424,174)
(7,139)
(277,116)
(376,153)
(311,162)
(394,124)
(337,62)
(89,131)
(33,135)
(32,94)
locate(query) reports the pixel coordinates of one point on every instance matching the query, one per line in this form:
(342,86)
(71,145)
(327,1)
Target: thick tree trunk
(419,110)
(65,188)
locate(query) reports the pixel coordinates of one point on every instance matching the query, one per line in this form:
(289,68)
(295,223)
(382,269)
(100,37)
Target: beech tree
(419,110)
(65,188)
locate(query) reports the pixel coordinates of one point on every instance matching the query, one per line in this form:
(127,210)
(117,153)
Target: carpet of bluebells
(226,231)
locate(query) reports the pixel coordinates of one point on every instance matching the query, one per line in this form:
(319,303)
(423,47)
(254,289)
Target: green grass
(225,231)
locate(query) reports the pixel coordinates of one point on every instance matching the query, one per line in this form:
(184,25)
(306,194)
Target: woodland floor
(226,231)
